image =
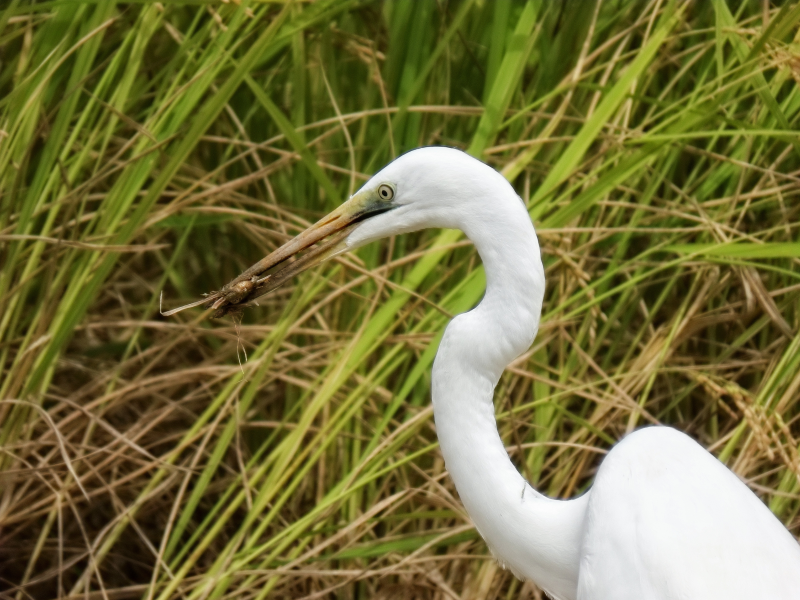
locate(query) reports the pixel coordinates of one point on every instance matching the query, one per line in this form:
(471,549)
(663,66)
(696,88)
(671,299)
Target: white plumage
(664,519)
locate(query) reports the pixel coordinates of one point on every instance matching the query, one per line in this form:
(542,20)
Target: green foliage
(166,146)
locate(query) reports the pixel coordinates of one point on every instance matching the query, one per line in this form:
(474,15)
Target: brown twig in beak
(252,283)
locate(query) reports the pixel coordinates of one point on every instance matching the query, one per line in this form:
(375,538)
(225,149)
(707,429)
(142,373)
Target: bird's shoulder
(665,509)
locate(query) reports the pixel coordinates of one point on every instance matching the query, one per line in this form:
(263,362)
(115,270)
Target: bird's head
(427,187)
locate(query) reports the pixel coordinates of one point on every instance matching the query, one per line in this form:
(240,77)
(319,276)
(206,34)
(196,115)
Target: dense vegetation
(166,146)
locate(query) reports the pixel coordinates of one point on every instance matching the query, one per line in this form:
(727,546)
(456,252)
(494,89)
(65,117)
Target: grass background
(149,147)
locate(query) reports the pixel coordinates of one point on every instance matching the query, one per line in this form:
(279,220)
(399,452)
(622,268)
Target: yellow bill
(327,236)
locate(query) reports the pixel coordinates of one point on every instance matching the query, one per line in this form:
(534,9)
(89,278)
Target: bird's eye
(386,192)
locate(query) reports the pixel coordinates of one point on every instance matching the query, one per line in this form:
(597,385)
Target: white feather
(664,520)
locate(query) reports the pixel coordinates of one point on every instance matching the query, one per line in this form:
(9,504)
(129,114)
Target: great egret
(664,519)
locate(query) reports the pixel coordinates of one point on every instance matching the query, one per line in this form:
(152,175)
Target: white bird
(664,520)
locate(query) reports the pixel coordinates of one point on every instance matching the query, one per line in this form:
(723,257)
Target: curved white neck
(536,537)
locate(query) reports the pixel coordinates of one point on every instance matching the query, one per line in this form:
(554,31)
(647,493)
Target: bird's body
(664,519)
(665,509)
